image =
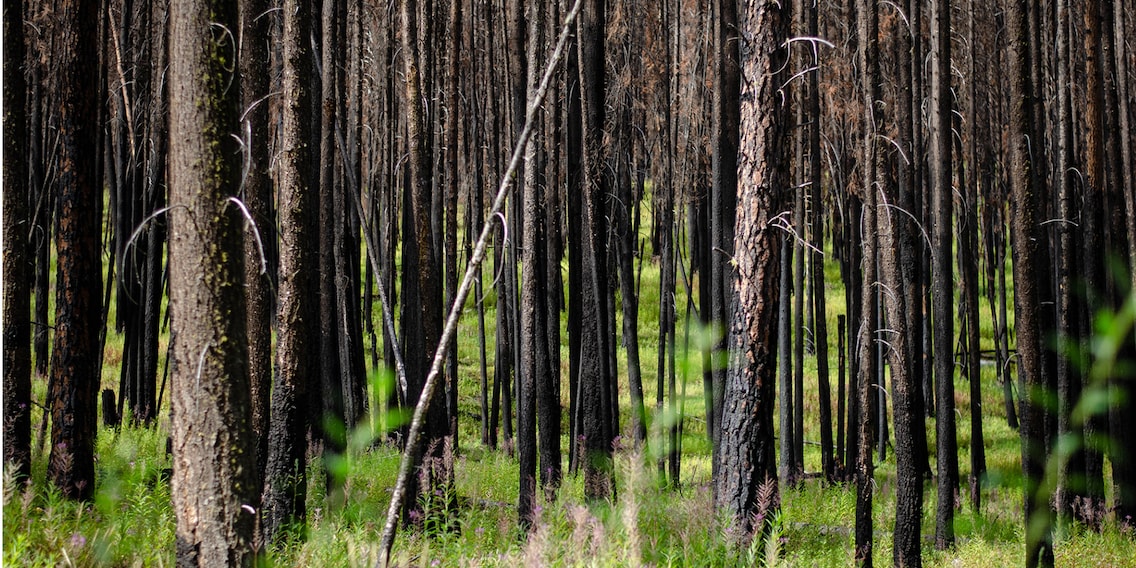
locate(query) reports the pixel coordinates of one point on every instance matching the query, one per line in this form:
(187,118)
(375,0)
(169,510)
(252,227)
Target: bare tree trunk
(257,195)
(1027,310)
(534,294)
(723,197)
(213,447)
(941,269)
(75,354)
(868,25)
(422,293)
(17,300)
(745,459)
(593,382)
(820,325)
(285,483)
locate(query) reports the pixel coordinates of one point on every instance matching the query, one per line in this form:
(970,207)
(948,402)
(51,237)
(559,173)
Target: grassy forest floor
(131,521)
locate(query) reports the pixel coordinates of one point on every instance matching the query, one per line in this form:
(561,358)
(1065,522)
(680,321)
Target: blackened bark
(892,228)
(450,204)
(594,383)
(1027,310)
(817,285)
(723,197)
(941,273)
(257,196)
(1123,464)
(909,233)
(866,340)
(785,363)
(422,291)
(332,370)
(573,148)
(285,483)
(213,447)
(1094,218)
(75,355)
(746,458)
(17,265)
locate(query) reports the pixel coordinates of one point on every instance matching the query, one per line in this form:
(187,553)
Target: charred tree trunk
(17,265)
(421,290)
(745,459)
(1027,310)
(257,195)
(285,483)
(868,369)
(942,273)
(75,353)
(595,399)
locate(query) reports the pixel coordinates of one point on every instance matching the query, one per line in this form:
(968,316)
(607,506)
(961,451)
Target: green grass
(131,521)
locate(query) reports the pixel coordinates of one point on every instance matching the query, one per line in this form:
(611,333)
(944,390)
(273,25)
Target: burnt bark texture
(17,265)
(595,398)
(422,278)
(746,454)
(259,233)
(75,352)
(213,448)
(1024,223)
(285,483)
(723,200)
(866,342)
(942,283)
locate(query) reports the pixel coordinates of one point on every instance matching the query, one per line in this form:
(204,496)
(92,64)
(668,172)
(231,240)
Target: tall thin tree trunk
(1027,309)
(17,221)
(257,195)
(942,272)
(285,483)
(75,354)
(867,372)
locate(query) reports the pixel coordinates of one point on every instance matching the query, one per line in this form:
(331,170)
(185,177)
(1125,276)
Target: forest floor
(131,521)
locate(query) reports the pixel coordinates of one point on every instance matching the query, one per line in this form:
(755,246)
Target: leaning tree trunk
(746,456)
(213,448)
(75,353)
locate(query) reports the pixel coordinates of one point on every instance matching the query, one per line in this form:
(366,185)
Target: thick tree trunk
(213,447)
(422,290)
(745,459)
